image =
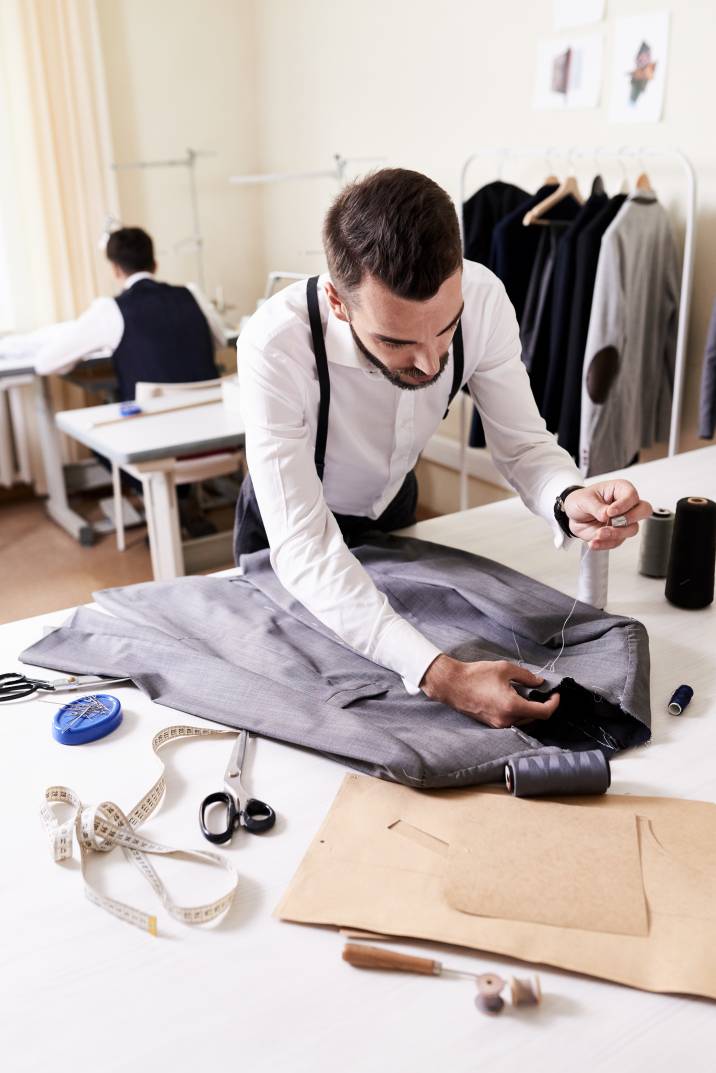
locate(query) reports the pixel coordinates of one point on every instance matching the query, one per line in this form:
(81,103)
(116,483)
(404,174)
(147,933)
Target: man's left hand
(590,511)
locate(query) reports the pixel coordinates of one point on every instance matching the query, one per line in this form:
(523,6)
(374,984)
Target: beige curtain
(58,122)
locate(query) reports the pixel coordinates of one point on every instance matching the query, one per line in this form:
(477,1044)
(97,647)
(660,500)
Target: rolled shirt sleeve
(100,327)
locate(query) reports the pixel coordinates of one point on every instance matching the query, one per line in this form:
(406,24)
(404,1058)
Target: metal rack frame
(189,162)
(337,172)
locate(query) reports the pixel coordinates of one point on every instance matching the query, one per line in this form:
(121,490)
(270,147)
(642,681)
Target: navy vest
(166,340)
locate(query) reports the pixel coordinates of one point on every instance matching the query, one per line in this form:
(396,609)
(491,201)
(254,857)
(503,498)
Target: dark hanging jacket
(536,322)
(514,248)
(516,257)
(585,272)
(482,212)
(563,295)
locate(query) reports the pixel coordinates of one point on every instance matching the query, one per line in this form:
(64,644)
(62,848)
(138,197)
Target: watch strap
(560,514)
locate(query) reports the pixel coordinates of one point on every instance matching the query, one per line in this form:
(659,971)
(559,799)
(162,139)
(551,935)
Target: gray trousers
(243,652)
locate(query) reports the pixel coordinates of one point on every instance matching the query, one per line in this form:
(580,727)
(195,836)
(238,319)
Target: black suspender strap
(458,365)
(324,382)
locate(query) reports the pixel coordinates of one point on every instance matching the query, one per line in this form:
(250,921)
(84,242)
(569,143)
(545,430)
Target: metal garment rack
(337,172)
(189,162)
(503,154)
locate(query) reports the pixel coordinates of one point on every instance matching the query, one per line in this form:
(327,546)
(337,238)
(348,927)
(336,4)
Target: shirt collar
(643,197)
(340,346)
(135,278)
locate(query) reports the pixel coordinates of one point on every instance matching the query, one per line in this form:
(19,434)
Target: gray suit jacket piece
(628,373)
(243,652)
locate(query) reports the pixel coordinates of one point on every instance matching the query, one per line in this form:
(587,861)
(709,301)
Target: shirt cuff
(554,487)
(406,651)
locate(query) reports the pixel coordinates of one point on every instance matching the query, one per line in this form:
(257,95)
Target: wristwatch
(560,514)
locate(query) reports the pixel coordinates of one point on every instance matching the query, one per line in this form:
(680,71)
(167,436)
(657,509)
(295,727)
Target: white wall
(279,85)
(180,73)
(424,84)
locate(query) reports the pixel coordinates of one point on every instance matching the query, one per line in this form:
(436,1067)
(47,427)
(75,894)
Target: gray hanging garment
(241,651)
(628,372)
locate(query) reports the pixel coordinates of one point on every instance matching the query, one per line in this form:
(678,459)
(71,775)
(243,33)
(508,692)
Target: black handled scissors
(14,686)
(241,810)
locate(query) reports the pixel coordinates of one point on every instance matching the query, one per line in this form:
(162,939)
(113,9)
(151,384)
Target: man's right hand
(483,691)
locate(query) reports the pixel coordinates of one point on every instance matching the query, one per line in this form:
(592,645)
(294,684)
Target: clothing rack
(189,162)
(503,154)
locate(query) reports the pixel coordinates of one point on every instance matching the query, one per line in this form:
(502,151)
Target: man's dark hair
(396,225)
(131,249)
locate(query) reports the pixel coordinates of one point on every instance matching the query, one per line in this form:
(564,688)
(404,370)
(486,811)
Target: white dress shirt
(58,348)
(376,432)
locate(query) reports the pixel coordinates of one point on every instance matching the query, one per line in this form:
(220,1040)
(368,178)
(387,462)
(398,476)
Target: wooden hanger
(567,188)
(644,183)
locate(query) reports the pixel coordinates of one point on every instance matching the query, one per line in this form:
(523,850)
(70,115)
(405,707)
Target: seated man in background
(156,332)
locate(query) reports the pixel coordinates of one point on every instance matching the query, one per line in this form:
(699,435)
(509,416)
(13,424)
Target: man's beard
(395,377)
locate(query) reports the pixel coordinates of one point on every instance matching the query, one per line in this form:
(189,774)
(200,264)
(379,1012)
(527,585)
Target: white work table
(149,445)
(86,993)
(21,364)
(169,429)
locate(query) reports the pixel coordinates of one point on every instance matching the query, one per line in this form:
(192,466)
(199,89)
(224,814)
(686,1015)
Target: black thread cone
(690,577)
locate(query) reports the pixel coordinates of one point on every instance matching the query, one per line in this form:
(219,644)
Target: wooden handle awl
(371,957)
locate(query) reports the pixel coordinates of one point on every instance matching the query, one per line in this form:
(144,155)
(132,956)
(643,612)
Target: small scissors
(241,810)
(14,686)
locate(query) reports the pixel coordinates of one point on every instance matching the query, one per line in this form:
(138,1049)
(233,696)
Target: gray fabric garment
(243,652)
(628,373)
(707,409)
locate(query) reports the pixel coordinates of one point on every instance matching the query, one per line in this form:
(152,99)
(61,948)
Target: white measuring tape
(100,828)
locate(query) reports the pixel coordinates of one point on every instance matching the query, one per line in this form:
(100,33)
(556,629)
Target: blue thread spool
(680,699)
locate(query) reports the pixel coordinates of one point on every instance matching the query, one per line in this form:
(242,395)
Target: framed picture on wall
(569,72)
(639,64)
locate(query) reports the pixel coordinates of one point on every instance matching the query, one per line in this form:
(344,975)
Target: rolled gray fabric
(559,774)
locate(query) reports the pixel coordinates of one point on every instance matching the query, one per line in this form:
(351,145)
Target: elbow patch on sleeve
(602,373)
